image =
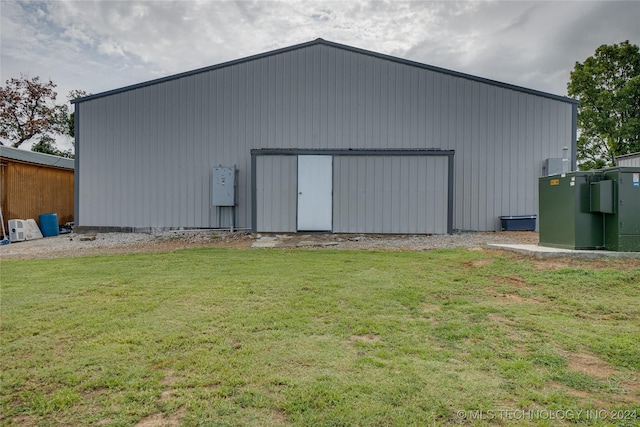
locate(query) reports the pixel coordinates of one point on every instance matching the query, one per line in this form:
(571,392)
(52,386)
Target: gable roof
(35,157)
(320,41)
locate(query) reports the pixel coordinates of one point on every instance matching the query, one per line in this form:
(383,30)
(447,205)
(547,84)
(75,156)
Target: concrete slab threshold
(546,252)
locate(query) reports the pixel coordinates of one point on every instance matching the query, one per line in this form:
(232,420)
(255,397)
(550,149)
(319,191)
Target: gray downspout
(254,195)
(76,172)
(574,137)
(450,195)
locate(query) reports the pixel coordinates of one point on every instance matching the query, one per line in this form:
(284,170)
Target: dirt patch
(154,420)
(477,262)
(160,420)
(429,309)
(511,297)
(597,368)
(524,237)
(588,399)
(517,298)
(23,420)
(515,281)
(499,318)
(166,395)
(599,264)
(553,264)
(583,396)
(170,378)
(279,416)
(96,392)
(590,365)
(364,338)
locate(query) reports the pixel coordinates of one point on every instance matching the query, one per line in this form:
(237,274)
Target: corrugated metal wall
(146,154)
(276,194)
(632,161)
(29,190)
(371,194)
(399,194)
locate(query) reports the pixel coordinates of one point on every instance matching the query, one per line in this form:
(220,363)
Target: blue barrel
(49,224)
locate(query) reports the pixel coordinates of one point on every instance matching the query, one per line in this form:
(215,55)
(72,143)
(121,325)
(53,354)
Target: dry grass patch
(515,281)
(590,365)
(365,338)
(161,420)
(478,263)
(592,264)
(510,297)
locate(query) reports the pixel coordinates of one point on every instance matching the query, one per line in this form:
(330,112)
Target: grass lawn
(227,337)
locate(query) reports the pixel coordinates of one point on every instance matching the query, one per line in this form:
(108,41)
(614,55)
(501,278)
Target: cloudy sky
(101,45)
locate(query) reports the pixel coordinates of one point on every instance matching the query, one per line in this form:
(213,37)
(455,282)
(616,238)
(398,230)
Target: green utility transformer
(597,209)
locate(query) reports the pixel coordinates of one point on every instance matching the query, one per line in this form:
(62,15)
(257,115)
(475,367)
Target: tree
(607,85)
(28,109)
(71,125)
(47,145)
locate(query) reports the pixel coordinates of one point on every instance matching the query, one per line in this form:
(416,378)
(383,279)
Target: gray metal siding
(400,194)
(146,154)
(631,161)
(276,195)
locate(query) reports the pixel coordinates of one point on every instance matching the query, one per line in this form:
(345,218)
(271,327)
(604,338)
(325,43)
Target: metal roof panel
(321,41)
(37,158)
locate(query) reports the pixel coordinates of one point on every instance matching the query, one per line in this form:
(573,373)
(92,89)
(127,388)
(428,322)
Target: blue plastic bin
(49,224)
(518,222)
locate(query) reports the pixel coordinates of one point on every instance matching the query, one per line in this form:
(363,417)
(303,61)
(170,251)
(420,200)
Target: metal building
(629,160)
(323,137)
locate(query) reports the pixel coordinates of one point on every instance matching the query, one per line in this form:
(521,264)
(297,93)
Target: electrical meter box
(553,167)
(224,186)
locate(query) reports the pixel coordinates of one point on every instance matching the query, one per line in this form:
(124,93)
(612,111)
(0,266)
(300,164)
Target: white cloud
(109,47)
(74,33)
(102,45)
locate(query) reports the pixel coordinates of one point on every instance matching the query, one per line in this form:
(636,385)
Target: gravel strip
(456,240)
(106,243)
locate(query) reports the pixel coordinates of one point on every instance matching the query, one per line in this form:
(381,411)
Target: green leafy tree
(28,110)
(607,85)
(74,94)
(47,145)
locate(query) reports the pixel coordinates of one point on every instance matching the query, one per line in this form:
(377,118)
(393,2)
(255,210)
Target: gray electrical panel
(223,187)
(555,167)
